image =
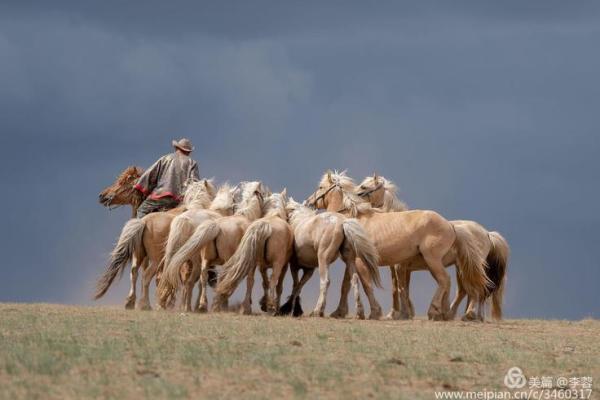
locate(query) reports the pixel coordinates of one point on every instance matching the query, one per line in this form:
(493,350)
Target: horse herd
(247,227)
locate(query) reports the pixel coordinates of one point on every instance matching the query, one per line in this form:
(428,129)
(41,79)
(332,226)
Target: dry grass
(50,351)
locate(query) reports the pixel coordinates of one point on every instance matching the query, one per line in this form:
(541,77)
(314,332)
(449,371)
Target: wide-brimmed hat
(183,144)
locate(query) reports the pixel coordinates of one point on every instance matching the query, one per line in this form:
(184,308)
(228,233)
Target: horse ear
(329,175)
(375,176)
(284,192)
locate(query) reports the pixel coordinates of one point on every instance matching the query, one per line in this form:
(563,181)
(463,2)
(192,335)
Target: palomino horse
(182,228)
(319,239)
(122,191)
(406,237)
(213,242)
(222,206)
(381,193)
(143,241)
(267,243)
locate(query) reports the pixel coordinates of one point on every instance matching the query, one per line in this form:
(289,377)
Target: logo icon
(514,378)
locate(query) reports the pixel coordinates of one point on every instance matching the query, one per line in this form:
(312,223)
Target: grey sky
(479,110)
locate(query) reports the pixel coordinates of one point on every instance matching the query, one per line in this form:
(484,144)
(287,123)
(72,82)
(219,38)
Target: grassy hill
(63,352)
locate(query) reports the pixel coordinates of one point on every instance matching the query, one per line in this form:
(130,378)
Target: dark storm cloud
(480,110)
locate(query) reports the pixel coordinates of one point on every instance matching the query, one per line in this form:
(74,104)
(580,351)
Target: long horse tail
(180,230)
(128,246)
(251,248)
(497,261)
(471,264)
(364,248)
(204,234)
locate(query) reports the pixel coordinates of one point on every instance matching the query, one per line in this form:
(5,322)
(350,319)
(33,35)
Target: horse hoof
(246,311)
(375,315)
(469,316)
(338,314)
(144,307)
(359,315)
(394,315)
(271,309)
(263,305)
(130,304)
(436,317)
(201,310)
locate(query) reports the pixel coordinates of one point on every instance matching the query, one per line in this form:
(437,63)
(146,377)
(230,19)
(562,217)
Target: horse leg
(197,302)
(265,285)
(298,285)
(323,286)
(280,283)
(147,275)
(411,308)
(191,272)
(133,275)
(403,275)
(460,295)
(203,303)
(247,303)
(342,308)
(306,275)
(481,310)
(439,309)
(360,309)
(395,311)
(161,303)
(470,313)
(368,289)
(348,256)
(288,306)
(274,284)
(196,279)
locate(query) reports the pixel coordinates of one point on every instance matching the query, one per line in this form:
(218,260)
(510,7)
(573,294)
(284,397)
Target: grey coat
(167,176)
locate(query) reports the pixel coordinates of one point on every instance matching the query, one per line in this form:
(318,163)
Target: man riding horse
(163,183)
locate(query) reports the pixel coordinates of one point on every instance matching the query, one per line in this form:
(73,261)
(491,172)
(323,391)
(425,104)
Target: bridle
(110,199)
(369,192)
(322,195)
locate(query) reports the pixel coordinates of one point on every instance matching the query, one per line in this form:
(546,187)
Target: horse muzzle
(105,200)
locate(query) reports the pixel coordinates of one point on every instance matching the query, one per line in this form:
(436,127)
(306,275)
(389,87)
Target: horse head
(372,189)
(328,192)
(122,190)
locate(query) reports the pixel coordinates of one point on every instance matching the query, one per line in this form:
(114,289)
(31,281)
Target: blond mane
(275,206)
(223,201)
(297,212)
(199,194)
(391,202)
(130,171)
(250,205)
(354,204)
